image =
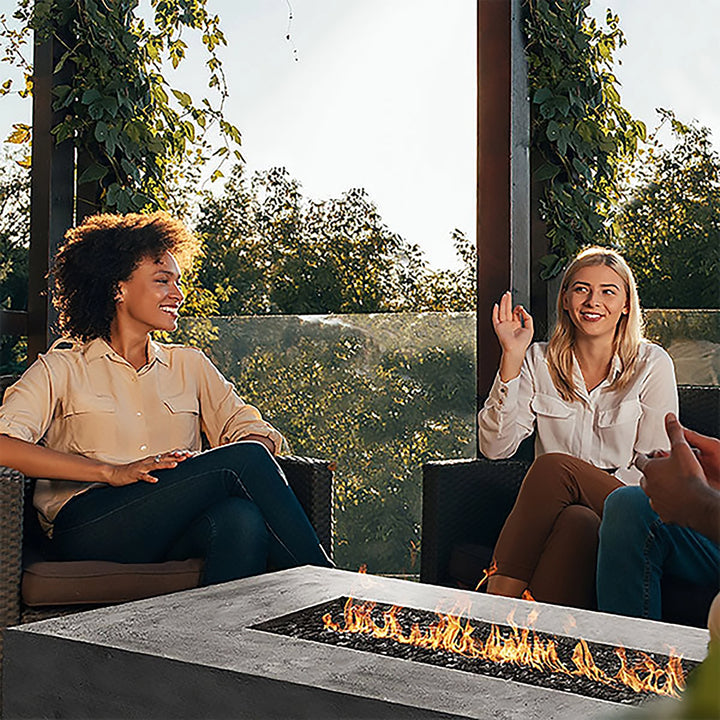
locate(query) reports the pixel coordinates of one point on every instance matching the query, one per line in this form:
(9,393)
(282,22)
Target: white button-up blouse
(609,429)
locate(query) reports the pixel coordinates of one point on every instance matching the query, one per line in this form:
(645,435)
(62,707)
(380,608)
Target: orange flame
(486,574)
(521,646)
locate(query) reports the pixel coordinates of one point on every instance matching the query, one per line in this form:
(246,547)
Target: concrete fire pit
(195,654)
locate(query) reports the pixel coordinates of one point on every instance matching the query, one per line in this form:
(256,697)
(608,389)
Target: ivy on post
(132,134)
(581,135)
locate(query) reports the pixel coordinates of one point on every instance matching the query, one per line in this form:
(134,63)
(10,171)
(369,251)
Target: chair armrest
(464,501)
(312,482)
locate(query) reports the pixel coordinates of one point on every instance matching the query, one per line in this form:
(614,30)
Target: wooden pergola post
(510,236)
(52,196)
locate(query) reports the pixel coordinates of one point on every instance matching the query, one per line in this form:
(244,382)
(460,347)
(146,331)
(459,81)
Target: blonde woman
(596,395)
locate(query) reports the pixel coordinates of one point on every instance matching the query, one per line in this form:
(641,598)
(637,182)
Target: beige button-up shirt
(609,429)
(85,399)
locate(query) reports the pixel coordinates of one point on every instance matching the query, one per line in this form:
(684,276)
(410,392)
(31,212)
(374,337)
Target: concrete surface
(193,655)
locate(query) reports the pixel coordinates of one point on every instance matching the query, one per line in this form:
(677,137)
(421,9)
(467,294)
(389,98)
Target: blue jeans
(231,506)
(637,548)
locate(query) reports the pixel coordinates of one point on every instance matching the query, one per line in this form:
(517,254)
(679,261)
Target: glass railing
(382,394)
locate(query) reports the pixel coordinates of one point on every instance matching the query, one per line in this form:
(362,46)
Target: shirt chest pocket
(550,408)
(89,423)
(623,414)
(182,427)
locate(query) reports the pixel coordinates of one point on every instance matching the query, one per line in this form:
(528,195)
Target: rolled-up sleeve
(506,418)
(226,417)
(27,408)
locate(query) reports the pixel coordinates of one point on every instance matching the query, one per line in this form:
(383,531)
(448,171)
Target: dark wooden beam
(52,195)
(13,322)
(503,173)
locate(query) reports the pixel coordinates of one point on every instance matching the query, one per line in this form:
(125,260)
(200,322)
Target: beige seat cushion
(95,582)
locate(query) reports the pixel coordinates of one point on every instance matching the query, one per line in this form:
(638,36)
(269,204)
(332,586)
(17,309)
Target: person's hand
(514,330)
(118,475)
(675,483)
(708,455)
(513,326)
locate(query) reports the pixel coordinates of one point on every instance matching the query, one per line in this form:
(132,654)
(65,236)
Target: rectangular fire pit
(217,652)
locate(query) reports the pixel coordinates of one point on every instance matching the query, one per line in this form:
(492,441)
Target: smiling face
(595,300)
(150,298)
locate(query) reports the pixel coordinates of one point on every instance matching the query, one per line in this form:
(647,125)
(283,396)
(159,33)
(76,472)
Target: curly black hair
(100,253)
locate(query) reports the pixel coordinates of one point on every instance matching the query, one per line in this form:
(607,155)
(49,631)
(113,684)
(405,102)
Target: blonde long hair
(628,334)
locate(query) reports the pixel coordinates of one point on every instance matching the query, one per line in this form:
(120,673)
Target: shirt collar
(158,352)
(616,367)
(99,348)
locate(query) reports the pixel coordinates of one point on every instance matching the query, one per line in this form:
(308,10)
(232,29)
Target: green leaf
(101,132)
(553,131)
(93,173)
(542,95)
(546,171)
(90,96)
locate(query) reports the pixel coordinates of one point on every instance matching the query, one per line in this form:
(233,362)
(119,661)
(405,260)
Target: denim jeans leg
(231,536)
(143,521)
(637,548)
(258,477)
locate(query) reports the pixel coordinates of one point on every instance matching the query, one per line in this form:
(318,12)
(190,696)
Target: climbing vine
(132,130)
(579,128)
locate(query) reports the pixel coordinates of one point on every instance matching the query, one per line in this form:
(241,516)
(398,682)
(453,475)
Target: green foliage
(132,130)
(14,239)
(337,392)
(669,225)
(580,130)
(266,249)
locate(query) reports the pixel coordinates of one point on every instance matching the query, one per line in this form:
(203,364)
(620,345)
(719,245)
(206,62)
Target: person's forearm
(38,461)
(510,366)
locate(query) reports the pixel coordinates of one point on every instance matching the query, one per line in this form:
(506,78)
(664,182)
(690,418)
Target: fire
(520,646)
(527,595)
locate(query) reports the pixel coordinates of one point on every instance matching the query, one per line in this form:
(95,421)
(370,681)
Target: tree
(268,249)
(669,225)
(14,239)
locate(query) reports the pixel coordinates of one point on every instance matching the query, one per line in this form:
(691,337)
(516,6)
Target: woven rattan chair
(466,502)
(26,570)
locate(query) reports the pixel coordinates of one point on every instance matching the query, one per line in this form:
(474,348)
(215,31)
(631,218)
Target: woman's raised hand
(514,330)
(140,470)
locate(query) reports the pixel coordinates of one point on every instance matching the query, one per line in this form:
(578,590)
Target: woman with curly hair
(596,396)
(111,421)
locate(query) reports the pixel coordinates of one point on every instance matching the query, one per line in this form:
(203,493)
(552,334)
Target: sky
(381,94)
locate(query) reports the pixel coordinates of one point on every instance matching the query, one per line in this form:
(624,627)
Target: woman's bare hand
(514,329)
(140,470)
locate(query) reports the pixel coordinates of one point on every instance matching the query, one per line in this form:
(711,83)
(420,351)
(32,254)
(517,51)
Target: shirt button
(139,414)
(500,401)
(503,390)
(143,447)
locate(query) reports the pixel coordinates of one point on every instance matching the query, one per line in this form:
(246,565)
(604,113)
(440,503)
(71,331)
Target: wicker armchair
(22,547)
(466,502)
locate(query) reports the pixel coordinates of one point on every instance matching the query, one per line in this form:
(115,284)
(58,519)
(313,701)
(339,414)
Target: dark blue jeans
(637,547)
(231,506)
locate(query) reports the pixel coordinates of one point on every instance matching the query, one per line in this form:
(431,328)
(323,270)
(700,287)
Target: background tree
(266,248)
(14,239)
(669,227)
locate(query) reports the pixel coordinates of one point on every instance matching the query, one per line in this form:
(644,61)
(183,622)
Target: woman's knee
(549,470)
(627,513)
